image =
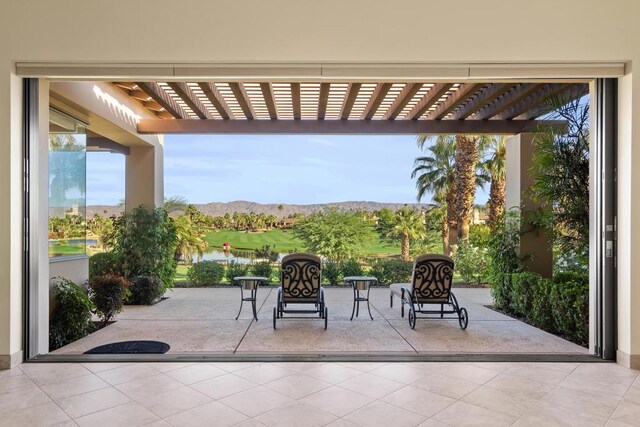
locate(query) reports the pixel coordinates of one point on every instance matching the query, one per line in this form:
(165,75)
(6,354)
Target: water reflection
(236,255)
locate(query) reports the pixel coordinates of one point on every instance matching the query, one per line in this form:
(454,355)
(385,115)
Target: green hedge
(389,271)
(205,273)
(71,318)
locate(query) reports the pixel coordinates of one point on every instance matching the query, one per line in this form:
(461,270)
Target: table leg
(241,301)
(354,304)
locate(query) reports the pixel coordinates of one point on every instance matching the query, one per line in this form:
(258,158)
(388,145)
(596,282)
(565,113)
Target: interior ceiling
(384,101)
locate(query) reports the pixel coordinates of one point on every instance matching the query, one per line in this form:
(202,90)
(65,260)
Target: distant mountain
(241,206)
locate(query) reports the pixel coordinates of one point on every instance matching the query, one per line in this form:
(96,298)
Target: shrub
(108,294)
(331,272)
(262,269)
(235,269)
(471,262)
(146,242)
(105,263)
(392,270)
(145,290)
(569,298)
(205,273)
(351,268)
(71,318)
(503,258)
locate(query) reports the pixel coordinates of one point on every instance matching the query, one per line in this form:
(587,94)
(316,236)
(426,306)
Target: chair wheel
(275,311)
(326,317)
(412,318)
(463,318)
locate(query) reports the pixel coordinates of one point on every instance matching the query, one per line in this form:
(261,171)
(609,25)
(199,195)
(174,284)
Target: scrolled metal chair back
(301,276)
(432,277)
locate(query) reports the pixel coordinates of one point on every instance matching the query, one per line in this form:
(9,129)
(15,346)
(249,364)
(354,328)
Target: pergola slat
(428,100)
(323,99)
(402,100)
(216,99)
(269,100)
(188,97)
(155,91)
(509,99)
(566,95)
(533,102)
(295,100)
(412,127)
(349,100)
(486,97)
(243,99)
(452,102)
(376,99)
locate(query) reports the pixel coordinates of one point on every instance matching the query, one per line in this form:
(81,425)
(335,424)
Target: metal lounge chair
(300,284)
(430,285)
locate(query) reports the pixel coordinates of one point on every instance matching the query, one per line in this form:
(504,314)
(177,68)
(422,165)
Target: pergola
(346,107)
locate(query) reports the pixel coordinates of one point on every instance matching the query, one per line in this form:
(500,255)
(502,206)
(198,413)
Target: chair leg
(369,309)
(391,300)
(353,310)
(255,313)
(240,311)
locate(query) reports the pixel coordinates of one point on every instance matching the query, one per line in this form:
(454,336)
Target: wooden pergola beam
(295,101)
(155,91)
(323,99)
(401,101)
(484,98)
(188,97)
(463,93)
(269,100)
(376,99)
(216,99)
(535,105)
(349,100)
(428,100)
(243,99)
(509,99)
(413,127)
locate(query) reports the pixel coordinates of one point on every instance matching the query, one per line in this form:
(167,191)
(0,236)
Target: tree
(466,178)
(408,223)
(495,165)
(175,204)
(436,174)
(334,233)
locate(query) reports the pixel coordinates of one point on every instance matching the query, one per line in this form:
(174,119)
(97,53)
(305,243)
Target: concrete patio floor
(202,320)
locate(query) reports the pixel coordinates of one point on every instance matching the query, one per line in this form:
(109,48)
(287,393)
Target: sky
(290,169)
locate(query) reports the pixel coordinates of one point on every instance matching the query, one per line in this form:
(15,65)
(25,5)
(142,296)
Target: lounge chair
(430,285)
(300,284)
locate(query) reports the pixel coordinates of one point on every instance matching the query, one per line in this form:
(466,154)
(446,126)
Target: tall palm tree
(495,165)
(175,204)
(408,223)
(466,179)
(436,174)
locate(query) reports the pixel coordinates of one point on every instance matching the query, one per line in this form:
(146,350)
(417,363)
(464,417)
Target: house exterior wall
(405,31)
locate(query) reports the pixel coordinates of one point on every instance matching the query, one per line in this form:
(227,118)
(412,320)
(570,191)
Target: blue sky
(272,169)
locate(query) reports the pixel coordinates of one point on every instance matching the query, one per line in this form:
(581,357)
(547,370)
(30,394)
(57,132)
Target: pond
(236,255)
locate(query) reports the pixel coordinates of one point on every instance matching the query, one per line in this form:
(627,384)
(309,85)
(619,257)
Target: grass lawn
(284,241)
(181,273)
(60,250)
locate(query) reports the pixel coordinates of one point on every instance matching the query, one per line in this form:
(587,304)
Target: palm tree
(175,204)
(407,224)
(466,180)
(495,165)
(436,174)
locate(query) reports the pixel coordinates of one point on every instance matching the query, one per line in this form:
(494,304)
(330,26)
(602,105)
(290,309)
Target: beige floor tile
(445,385)
(195,373)
(101,367)
(143,387)
(94,401)
(233,366)
(400,372)
(510,403)
(222,386)
(127,373)
(371,385)
(174,401)
(633,394)
(213,413)
(15,382)
(44,373)
(548,374)
(22,398)
(47,414)
(603,386)
(363,366)
(333,373)
(547,414)
(466,414)
(383,414)
(301,367)
(341,422)
(169,366)
(130,415)
(337,400)
(251,422)
(432,423)
(523,386)
(263,373)
(256,401)
(417,400)
(582,401)
(296,415)
(297,386)
(469,373)
(627,413)
(73,386)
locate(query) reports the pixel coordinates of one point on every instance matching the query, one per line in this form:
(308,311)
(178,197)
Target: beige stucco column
(535,244)
(144,177)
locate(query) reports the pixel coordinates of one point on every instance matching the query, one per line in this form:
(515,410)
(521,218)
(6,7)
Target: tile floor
(319,394)
(209,317)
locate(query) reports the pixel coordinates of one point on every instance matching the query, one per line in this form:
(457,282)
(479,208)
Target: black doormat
(131,347)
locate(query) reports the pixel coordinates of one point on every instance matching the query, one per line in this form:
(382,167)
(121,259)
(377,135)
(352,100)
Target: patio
(202,320)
